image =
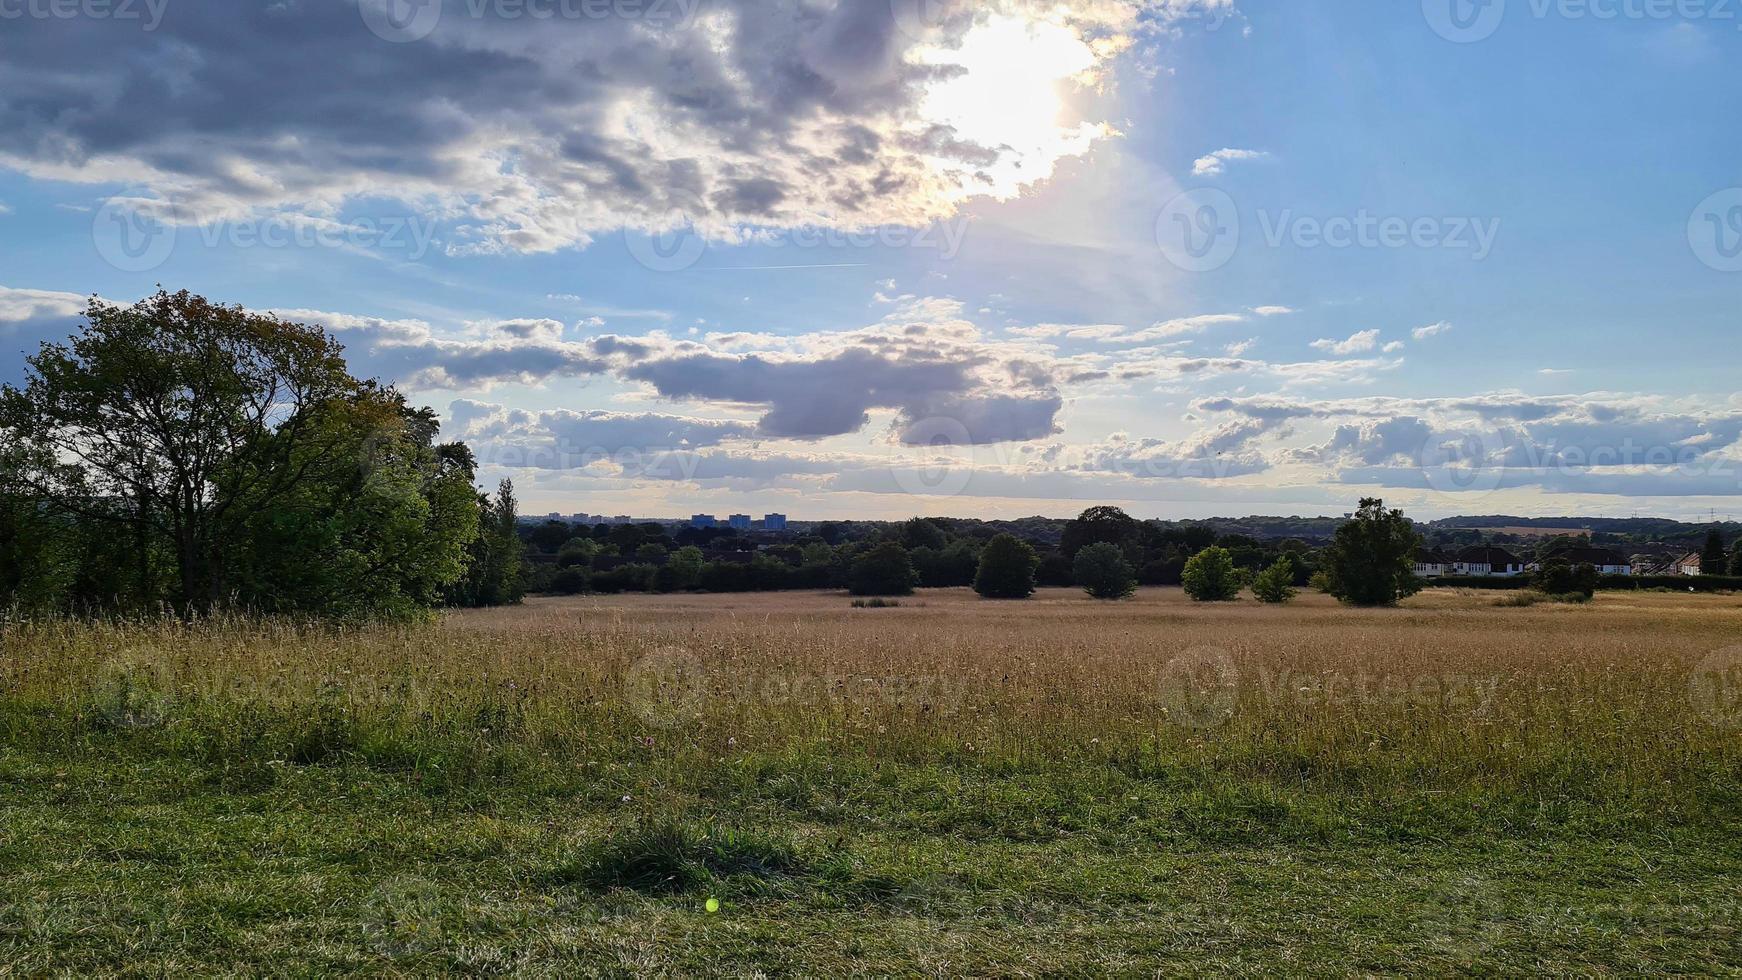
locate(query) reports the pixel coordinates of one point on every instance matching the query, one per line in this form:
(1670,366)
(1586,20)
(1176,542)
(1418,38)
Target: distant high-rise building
(774,522)
(739,522)
(704,520)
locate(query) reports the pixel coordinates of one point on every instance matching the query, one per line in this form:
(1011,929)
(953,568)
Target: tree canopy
(1371,559)
(185,454)
(1006,569)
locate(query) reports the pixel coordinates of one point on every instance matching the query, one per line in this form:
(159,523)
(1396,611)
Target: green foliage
(1103,525)
(187,454)
(493,561)
(951,567)
(884,570)
(1103,572)
(1210,576)
(922,533)
(1275,584)
(1713,559)
(1371,560)
(1006,568)
(1558,578)
(1736,559)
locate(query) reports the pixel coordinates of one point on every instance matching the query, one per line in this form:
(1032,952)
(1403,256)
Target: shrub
(569,581)
(1103,572)
(1210,576)
(1275,584)
(1560,578)
(884,570)
(877,603)
(1006,569)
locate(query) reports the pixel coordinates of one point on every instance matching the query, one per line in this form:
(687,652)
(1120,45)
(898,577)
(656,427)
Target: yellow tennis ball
(713,905)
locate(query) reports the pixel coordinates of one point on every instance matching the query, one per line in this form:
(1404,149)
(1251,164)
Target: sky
(879,258)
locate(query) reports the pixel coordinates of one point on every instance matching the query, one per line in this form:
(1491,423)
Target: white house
(1687,564)
(1487,560)
(1432,563)
(1606,562)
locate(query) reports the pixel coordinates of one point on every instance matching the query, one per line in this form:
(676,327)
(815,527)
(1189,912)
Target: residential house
(1605,561)
(1687,565)
(1487,560)
(1432,563)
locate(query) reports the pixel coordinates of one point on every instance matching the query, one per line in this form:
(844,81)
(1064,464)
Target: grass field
(951,786)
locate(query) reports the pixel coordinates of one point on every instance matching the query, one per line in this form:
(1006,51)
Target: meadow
(785,783)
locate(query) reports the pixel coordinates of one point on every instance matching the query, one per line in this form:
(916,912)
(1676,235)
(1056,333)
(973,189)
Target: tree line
(1106,552)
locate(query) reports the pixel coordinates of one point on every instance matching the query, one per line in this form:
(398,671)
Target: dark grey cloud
(531,133)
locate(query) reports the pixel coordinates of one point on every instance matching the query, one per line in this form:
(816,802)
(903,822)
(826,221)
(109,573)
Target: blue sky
(885,257)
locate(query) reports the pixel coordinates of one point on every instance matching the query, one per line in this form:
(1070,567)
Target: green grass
(118,863)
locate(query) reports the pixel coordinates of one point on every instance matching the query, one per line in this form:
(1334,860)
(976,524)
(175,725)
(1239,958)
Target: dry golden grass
(1630,692)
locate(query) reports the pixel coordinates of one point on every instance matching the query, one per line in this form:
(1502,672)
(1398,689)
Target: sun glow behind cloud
(1010,97)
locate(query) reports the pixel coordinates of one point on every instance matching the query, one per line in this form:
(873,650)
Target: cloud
(533,133)
(1431,330)
(1273,310)
(5,209)
(1593,443)
(1356,343)
(564,439)
(1213,164)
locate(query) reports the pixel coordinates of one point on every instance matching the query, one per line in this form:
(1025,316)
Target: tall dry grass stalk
(1631,700)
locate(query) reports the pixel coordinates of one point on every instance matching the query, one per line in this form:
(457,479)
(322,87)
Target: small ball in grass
(712,905)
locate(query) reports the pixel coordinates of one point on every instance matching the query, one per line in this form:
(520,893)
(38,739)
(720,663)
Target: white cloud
(1213,164)
(1273,310)
(1431,330)
(1356,343)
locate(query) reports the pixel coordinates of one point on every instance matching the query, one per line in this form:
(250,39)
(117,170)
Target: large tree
(236,450)
(1006,569)
(1371,560)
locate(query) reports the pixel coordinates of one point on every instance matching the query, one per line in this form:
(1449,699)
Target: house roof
(1431,556)
(1487,555)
